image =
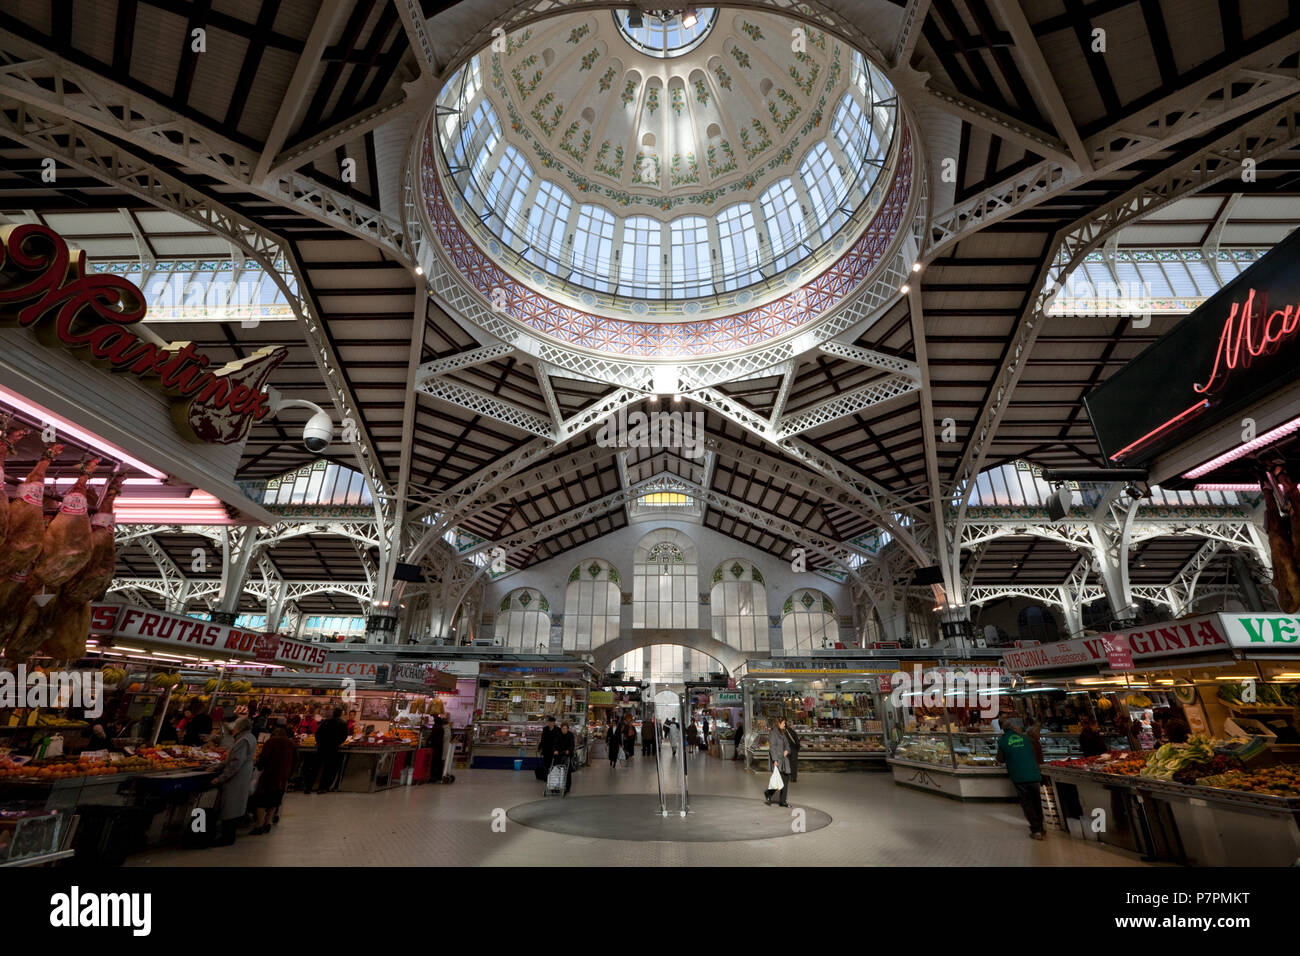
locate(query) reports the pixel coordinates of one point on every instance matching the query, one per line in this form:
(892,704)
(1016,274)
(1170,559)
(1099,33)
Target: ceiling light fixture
(66,428)
(689,17)
(905,288)
(677,398)
(916,267)
(419,270)
(1268,438)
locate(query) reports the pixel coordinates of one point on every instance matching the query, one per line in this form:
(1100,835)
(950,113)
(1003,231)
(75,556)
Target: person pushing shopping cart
(559,777)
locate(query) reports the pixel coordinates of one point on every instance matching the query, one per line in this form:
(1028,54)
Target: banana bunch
(166,680)
(113,675)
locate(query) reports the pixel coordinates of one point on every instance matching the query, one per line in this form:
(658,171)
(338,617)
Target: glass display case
(839,717)
(513,708)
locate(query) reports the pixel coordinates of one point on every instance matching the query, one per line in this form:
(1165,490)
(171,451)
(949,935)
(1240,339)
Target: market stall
(1230,793)
(515,698)
(834,704)
(948,731)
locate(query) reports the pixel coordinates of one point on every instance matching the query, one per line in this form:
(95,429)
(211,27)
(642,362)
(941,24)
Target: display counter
(834,706)
(1188,824)
(514,702)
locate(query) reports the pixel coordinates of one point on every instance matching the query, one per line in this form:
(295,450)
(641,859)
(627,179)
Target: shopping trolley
(557,779)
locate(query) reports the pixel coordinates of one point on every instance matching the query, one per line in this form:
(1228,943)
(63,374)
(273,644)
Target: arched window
(808,621)
(524,621)
(691,272)
(783,219)
(739,241)
(593,247)
(506,191)
(546,224)
(639,267)
(667,664)
(825,185)
(665,581)
(738,598)
(591,603)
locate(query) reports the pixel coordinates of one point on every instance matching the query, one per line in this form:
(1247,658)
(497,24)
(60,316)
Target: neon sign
(44,287)
(1239,343)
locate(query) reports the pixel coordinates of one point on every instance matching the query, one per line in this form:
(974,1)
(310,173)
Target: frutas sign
(44,287)
(181,633)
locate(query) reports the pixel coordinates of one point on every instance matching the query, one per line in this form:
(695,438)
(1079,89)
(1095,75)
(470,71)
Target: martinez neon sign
(44,287)
(1239,344)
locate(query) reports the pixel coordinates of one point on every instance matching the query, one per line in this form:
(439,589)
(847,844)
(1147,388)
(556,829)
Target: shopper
(262,722)
(792,742)
(647,737)
(167,733)
(705,729)
(546,746)
(436,736)
(1177,729)
(692,735)
(276,763)
(613,741)
(448,750)
(566,747)
(739,740)
(1016,750)
(778,752)
(235,780)
(199,726)
(674,735)
(329,738)
(629,736)
(1091,742)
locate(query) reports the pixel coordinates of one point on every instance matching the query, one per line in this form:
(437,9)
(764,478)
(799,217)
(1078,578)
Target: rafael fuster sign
(44,287)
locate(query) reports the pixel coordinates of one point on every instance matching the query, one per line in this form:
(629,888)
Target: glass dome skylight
(631,215)
(667,33)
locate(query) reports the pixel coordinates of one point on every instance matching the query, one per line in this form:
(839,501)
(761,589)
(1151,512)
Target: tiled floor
(875,823)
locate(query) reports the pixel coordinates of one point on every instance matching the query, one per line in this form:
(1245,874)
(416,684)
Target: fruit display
(166,680)
(112,675)
(1282,780)
(146,760)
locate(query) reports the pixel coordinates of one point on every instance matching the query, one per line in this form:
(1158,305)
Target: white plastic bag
(776,783)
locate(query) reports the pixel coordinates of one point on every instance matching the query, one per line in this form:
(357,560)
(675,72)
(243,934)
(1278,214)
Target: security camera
(318,432)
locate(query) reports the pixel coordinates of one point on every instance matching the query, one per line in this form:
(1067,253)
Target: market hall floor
(875,823)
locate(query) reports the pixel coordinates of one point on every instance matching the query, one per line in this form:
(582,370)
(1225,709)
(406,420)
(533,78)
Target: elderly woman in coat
(236,780)
(778,752)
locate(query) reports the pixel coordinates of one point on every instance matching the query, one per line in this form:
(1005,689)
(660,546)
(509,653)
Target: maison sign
(44,287)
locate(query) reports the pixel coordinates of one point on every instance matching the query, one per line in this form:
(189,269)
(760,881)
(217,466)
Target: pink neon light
(1223,487)
(18,403)
(1259,441)
(1158,429)
(1240,341)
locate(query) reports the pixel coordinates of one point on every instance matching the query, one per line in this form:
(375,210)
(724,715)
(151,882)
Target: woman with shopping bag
(778,751)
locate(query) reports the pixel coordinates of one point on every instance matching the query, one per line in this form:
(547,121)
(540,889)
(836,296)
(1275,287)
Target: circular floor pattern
(635,817)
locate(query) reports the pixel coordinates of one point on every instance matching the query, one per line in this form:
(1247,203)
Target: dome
(664,189)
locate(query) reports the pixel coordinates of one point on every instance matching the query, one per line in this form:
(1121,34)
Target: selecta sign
(44,287)
(1239,346)
(162,630)
(1207,634)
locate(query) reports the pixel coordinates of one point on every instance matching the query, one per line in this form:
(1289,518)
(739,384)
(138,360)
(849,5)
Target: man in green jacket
(1016,750)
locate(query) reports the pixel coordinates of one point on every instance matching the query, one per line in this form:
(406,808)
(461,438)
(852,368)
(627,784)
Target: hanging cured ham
(26,518)
(94,579)
(67,631)
(65,548)
(7,443)
(15,591)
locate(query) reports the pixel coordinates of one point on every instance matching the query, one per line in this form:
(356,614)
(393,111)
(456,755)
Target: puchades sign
(1237,347)
(44,287)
